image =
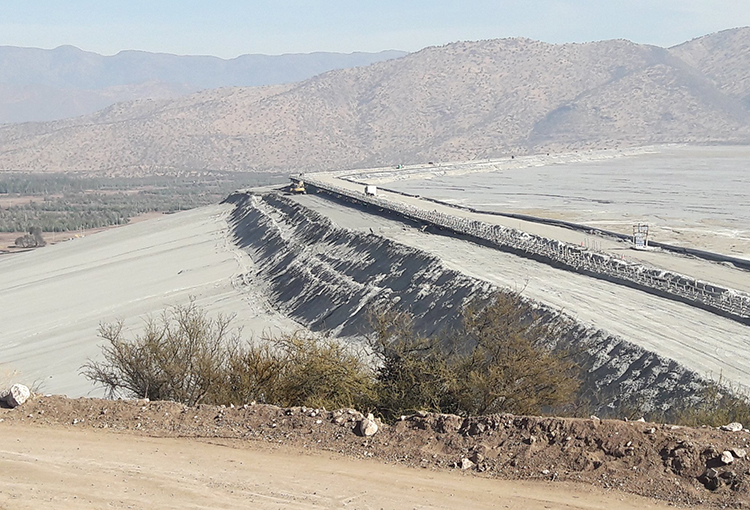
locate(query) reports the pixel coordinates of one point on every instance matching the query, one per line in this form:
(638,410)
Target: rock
(476,458)
(710,479)
(366,427)
(16,395)
(739,453)
(729,476)
(466,463)
(726,457)
(476,428)
(448,423)
(732,427)
(477,455)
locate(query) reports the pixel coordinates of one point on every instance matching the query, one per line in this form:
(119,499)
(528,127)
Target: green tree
(511,367)
(414,373)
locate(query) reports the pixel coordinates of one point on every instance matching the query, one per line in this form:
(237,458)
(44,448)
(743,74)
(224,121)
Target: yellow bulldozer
(297,187)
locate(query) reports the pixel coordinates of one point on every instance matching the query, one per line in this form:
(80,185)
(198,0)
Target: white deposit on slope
(53,299)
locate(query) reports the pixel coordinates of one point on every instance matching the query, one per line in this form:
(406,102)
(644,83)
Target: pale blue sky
(228,28)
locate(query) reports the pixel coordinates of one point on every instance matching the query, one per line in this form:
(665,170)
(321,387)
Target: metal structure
(640,236)
(729,303)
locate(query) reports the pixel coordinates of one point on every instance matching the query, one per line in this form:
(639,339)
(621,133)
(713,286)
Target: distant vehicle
(371,191)
(297,187)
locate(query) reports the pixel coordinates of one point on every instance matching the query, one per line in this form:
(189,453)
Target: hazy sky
(228,28)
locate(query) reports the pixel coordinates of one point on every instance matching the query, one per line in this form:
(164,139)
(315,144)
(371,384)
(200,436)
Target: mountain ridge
(46,85)
(461,101)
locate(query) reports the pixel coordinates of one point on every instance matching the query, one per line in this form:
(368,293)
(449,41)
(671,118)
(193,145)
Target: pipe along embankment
(725,302)
(328,279)
(579,227)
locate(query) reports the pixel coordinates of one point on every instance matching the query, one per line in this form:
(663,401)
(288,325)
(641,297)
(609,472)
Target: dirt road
(50,467)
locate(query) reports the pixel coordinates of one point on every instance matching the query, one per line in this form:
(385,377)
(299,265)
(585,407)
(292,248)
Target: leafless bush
(182,355)
(185,356)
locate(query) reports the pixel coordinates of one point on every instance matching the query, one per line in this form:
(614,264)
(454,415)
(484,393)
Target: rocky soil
(685,466)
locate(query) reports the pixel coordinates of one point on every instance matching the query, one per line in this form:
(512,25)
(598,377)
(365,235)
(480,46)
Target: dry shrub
(413,372)
(182,355)
(187,357)
(511,368)
(318,372)
(300,369)
(718,405)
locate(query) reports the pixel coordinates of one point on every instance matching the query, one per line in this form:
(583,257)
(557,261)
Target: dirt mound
(675,464)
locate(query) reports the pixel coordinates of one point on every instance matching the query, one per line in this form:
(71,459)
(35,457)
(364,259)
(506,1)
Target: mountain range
(460,101)
(43,85)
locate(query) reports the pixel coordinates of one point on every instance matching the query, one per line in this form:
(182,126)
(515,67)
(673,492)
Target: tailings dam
(325,261)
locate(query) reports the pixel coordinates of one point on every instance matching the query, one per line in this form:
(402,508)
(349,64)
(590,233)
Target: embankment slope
(52,300)
(328,278)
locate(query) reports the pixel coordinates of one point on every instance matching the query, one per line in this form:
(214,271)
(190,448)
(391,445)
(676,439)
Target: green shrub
(413,372)
(499,360)
(511,367)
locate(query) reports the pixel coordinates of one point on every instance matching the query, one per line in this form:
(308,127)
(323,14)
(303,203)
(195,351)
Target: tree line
(60,203)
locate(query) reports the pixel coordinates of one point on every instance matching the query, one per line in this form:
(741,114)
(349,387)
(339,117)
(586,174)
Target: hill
(461,101)
(724,58)
(43,85)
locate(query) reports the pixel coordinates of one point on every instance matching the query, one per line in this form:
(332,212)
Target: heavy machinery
(297,187)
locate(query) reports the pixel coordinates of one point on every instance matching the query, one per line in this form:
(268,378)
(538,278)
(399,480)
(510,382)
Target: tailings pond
(689,196)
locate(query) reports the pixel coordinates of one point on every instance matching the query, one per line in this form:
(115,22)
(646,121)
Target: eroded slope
(328,278)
